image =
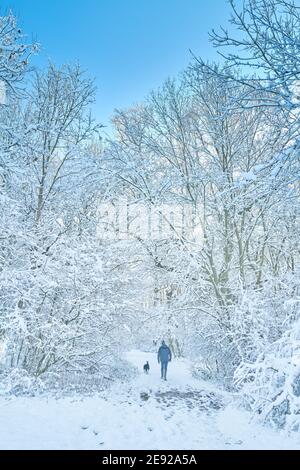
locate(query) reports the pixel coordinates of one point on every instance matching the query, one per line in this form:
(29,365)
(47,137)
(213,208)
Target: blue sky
(129,46)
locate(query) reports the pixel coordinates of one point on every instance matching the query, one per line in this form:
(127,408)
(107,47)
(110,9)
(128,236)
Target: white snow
(169,415)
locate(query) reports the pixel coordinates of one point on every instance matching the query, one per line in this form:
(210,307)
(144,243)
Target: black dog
(146,367)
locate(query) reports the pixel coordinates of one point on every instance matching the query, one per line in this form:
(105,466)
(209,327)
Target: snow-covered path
(146,413)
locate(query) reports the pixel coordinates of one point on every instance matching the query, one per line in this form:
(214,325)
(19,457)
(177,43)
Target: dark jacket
(164,354)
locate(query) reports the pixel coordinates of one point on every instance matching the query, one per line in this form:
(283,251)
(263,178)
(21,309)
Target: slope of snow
(146,413)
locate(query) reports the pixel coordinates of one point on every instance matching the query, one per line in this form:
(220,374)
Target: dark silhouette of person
(163,357)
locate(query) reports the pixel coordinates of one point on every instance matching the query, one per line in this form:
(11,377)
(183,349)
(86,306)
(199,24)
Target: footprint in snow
(232,443)
(144,396)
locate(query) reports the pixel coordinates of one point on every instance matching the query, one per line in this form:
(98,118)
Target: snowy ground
(146,413)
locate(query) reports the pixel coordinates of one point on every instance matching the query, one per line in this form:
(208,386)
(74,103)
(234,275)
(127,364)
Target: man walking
(164,356)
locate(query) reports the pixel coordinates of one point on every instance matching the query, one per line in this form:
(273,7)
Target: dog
(146,367)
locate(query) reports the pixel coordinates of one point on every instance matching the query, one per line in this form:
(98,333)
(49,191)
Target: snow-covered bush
(270,386)
(20,382)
